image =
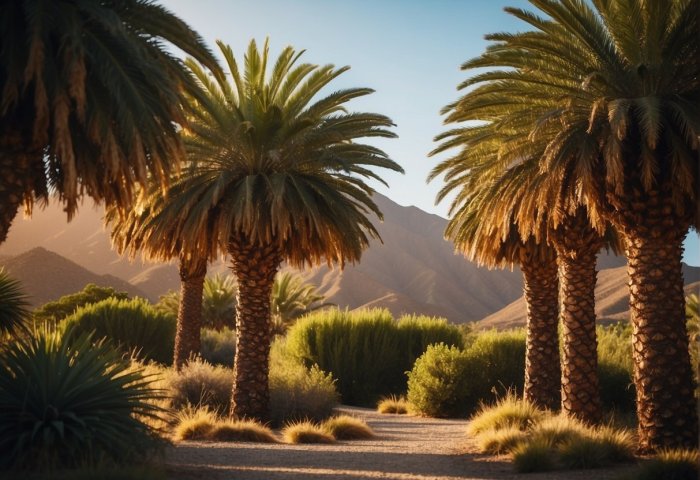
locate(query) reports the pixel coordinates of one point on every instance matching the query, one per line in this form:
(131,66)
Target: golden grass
(345,427)
(194,424)
(393,404)
(241,431)
(503,440)
(306,432)
(670,465)
(533,456)
(509,411)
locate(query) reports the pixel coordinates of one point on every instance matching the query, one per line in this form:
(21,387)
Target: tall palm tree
(497,157)
(152,230)
(89,99)
(613,93)
(281,177)
(14,305)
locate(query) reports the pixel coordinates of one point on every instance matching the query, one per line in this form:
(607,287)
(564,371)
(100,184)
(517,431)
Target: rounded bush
(71,402)
(134,326)
(442,380)
(366,351)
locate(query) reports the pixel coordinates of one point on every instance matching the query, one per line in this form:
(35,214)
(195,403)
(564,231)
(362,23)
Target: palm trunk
(577,245)
(542,371)
(255,267)
(666,407)
(189,314)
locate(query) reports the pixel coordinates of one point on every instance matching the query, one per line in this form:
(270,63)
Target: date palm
(612,92)
(281,177)
(90,99)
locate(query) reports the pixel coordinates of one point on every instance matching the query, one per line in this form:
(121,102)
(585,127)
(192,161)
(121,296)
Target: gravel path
(406,448)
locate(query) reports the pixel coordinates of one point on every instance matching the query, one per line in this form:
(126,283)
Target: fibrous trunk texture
(542,364)
(653,230)
(189,314)
(255,267)
(666,407)
(14,175)
(577,245)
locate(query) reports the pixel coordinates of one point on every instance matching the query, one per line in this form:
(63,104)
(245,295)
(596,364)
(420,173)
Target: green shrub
(533,456)
(615,367)
(71,402)
(448,382)
(66,305)
(132,325)
(440,384)
(366,351)
(297,392)
(218,347)
(201,384)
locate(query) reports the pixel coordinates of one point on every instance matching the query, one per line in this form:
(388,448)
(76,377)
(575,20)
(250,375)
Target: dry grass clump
(345,427)
(393,404)
(503,440)
(670,465)
(194,424)
(306,432)
(539,441)
(509,411)
(241,431)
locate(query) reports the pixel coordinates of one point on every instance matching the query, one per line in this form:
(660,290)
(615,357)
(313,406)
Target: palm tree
(496,157)
(89,100)
(611,94)
(219,302)
(14,307)
(280,177)
(152,230)
(292,298)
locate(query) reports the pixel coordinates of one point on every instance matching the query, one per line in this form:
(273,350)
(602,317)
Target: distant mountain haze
(414,270)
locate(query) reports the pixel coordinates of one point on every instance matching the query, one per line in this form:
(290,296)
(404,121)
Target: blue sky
(409,51)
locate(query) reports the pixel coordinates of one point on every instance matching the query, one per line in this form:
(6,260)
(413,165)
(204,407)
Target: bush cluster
(218,347)
(134,326)
(447,381)
(367,351)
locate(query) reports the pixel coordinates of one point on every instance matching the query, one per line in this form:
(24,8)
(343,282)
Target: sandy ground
(406,448)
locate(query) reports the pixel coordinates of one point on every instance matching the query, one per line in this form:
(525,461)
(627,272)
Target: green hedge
(367,351)
(134,326)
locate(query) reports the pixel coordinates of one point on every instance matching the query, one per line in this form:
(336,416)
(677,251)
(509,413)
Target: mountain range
(414,270)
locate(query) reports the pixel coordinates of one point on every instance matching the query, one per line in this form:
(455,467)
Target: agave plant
(13,305)
(70,403)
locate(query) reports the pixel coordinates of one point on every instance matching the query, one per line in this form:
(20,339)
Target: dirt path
(406,448)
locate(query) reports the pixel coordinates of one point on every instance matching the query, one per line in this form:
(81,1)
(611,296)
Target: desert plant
(201,384)
(366,351)
(533,456)
(241,431)
(509,411)
(345,427)
(14,305)
(503,353)
(297,392)
(132,325)
(502,440)
(66,305)
(393,404)
(291,299)
(218,347)
(669,465)
(440,383)
(306,432)
(194,423)
(66,402)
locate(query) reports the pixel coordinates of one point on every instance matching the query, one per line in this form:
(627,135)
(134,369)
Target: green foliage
(297,392)
(67,402)
(201,384)
(218,347)
(534,456)
(509,411)
(291,299)
(68,304)
(132,325)
(366,351)
(13,305)
(440,384)
(615,367)
(449,382)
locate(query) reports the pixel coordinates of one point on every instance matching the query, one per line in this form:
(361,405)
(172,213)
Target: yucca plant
(71,402)
(14,309)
